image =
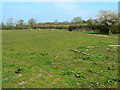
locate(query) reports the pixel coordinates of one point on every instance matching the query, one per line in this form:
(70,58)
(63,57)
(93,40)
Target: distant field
(58,59)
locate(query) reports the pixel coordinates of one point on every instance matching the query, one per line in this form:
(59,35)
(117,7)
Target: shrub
(115,29)
(72,27)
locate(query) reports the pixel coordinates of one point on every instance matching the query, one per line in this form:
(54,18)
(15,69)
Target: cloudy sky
(50,11)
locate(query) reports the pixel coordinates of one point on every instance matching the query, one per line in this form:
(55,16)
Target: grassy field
(58,59)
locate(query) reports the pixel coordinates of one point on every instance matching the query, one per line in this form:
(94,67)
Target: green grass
(47,59)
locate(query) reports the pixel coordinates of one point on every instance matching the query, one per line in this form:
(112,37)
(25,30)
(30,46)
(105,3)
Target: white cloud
(67,6)
(72,9)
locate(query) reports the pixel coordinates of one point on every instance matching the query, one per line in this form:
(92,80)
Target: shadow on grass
(97,33)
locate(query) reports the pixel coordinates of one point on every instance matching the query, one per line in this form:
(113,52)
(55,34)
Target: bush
(73,27)
(115,29)
(94,28)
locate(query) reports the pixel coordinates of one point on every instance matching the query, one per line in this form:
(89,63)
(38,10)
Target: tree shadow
(98,33)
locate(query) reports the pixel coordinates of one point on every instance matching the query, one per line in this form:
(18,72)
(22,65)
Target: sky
(50,11)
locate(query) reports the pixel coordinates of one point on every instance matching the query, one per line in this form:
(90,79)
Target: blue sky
(50,11)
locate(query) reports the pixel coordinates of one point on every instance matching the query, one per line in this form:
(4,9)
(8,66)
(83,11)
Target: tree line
(106,22)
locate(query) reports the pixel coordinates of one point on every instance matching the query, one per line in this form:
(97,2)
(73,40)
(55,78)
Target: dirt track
(102,35)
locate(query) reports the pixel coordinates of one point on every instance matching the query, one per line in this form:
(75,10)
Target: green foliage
(77,20)
(94,84)
(91,70)
(115,29)
(107,22)
(111,81)
(51,27)
(42,78)
(80,75)
(72,27)
(32,22)
(19,70)
(89,22)
(77,75)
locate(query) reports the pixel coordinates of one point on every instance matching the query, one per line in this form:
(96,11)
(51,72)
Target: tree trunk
(109,31)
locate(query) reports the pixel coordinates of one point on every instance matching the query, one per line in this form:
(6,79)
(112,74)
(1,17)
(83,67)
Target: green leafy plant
(94,84)
(17,53)
(112,81)
(95,63)
(111,68)
(80,75)
(19,70)
(91,70)
(68,72)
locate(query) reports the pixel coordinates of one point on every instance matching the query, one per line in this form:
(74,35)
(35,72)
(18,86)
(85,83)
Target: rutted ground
(45,58)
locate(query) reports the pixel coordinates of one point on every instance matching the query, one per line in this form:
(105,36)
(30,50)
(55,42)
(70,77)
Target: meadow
(58,59)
